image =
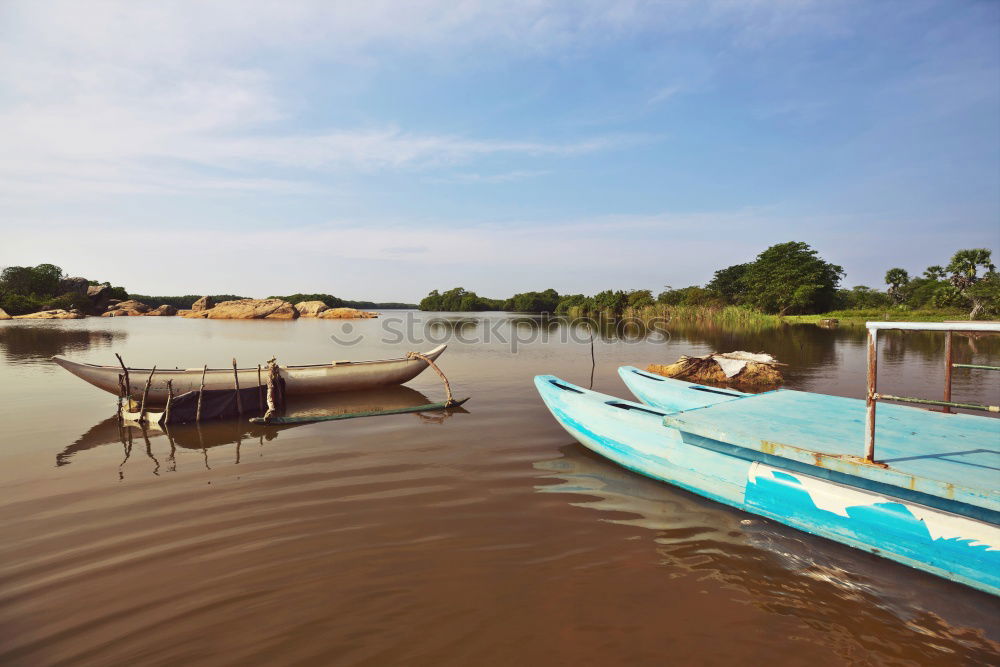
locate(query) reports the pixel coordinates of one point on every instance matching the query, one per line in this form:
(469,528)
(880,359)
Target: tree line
(786,278)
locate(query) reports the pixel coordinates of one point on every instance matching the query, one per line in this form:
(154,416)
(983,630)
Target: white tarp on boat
(732,363)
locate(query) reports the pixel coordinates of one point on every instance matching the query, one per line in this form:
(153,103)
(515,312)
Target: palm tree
(897,279)
(964,268)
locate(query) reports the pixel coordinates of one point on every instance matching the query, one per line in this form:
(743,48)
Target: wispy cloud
(662,95)
(499,177)
(115,91)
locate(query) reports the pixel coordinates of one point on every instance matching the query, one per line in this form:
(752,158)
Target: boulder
(57,314)
(204,303)
(4,315)
(74,285)
(346,314)
(166,310)
(99,295)
(251,309)
(310,308)
(130,308)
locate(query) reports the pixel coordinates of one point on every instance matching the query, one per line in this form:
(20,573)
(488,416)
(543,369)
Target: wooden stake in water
(260,392)
(197,414)
(170,399)
(593,362)
(128,384)
(236,379)
(145,393)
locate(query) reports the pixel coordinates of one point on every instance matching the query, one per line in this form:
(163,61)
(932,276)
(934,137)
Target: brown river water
(483,536)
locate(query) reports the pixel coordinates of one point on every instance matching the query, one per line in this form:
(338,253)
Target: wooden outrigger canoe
(299,380)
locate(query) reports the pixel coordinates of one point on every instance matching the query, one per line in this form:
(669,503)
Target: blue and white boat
(929,499)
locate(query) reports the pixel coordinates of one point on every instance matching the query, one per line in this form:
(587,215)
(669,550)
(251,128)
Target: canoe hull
(632,435)
(299,380)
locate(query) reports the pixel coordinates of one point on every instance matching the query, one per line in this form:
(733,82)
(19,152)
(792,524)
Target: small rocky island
(98,301)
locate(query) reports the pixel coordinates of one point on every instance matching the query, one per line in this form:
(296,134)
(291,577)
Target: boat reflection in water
(773,567)
(211,434)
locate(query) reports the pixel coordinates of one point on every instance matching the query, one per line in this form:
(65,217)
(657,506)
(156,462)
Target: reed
(729,316)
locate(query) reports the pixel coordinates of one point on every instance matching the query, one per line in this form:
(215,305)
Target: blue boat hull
(632,435)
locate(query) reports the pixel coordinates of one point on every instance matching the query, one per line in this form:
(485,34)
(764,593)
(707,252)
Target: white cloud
(126,96)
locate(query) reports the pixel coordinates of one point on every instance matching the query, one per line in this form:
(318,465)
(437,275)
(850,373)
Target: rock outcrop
(204,303)
(248,309)
(57,314)
(74,285)
(99,295)
(346,314)
(4,315)
(166,310)
(130,308)
(311,308)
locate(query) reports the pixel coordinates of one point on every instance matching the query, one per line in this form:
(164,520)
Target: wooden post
(170,399)
(197,414)
(593,362)
(870,397)
(236,379)
(145,392)
(947,369)
(128,384)
(272,389)
(121,392)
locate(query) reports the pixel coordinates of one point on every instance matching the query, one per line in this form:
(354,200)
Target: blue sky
(383,149)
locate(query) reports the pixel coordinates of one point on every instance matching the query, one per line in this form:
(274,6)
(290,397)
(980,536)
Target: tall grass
(728,316)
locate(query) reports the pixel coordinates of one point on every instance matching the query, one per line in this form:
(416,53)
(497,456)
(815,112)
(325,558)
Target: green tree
(935,272)
(534,302)
(640,298)
(688,296)
(729,282)
(791,277)
(611,302)
(457,299)
(42,280)
(985,296)
(964,267)
(861,297)
(27,289)
(584,303)
(897,279)
(431,302)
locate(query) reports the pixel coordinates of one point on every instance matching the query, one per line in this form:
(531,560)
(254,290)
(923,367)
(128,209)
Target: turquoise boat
(930,499)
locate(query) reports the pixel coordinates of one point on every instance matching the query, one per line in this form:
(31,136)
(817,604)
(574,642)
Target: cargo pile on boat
(728,369)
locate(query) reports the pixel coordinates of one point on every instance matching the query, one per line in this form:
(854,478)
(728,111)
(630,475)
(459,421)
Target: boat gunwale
(431,353)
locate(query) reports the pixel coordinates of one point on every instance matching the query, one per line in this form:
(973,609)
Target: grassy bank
(741,316)
(880,315)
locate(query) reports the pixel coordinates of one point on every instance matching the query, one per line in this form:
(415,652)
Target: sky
(378,150)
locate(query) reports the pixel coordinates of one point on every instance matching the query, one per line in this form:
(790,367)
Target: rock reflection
(218,433)
(31,343)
